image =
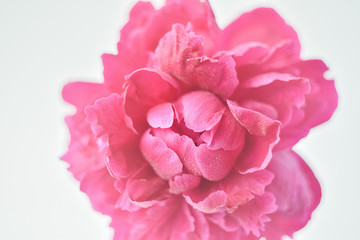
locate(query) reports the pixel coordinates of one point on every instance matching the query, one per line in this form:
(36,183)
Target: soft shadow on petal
(260,25)
(297,193)
(263,135)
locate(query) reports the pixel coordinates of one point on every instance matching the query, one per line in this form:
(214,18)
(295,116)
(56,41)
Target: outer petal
(252,216)
(81,94)
(145,188)
(321,102)
(263,135)
(84,155)
(260,25)
(297,194)
(168,220)
(230,193)
(107,120)
(99,186)
(146,26)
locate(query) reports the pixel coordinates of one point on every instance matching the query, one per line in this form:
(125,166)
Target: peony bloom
(190,134)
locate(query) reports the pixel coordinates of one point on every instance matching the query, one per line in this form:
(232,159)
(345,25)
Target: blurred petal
(297,194)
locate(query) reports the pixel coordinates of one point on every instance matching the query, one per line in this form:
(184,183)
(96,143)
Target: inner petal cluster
(195,135)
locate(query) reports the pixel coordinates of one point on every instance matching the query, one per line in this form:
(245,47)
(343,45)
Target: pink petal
(116,67)
(146,188)
(260,25)
(83,155)
(180,54)
(81,94)
(263,135)
(259,59)
(252,215)
(250,53)
(107,119)
(241,188)
(214,165)
(281,90)
(99,186)
(183,182)
(224,220)
(146,26)
(321,102)
(214,202)
(216,75)
(144,89)
(297,194)
(201,110)
(183,146)
(161,116)
(228,134)
(123,201)
(163,160)
(170,219)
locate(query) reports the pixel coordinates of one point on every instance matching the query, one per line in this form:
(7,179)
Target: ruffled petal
(99,186)
(263,135)
(84,155)
(180,54)
(171,219)
(321,101)
(241,188)
(145,188)
(252,216)
(297,194)
(260,25)
(146,26)
(144,89)
(230,193)
(107,121)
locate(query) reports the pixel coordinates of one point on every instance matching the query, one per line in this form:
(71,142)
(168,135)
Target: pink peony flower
(190,134)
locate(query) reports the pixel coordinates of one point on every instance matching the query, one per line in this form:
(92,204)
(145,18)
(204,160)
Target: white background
(46,43)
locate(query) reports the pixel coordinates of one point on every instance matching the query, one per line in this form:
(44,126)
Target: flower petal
(260,25)
(99,186)
(83,155)
(201,110)
(161,116)
(252,216)
(241,188)
(146,26)
(81,94)
(180,54)
(144,89)
(107,121)
(227,135)
(145,188)
(214,165)
(183,182)
(297,194)
(163,160)
(183,146)
(263,135)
